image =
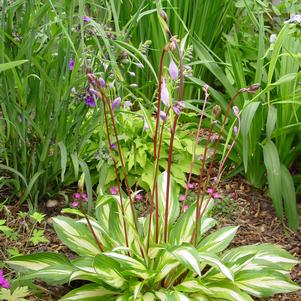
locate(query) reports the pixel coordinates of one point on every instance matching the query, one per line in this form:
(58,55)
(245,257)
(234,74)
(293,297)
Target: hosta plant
(172,252)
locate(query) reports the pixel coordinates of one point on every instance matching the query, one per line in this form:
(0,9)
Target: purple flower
(235,130)
(3,282)
(84,197)
(213,137)
(89,101)
(163,115)
(102,82)
(214,194)
(294,19)
(111,86)
(184,208)
(116,103)
(127,104)
(71,64)
(74,203)
(190,186)
(235,111)
(93,92)
(173,69)
(139,197)
(177,108)
(139,65)
(113,146)
(77,195)
(114,190)
(86,19)
(164,93)
(182,197)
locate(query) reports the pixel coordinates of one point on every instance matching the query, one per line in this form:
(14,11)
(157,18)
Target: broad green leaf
(75,235)
(63,150)
(271,121)
(218,241)
(193,286)
(267,284)
(214,261)
(89,292)
(36,262)
(272,164)
(188,256)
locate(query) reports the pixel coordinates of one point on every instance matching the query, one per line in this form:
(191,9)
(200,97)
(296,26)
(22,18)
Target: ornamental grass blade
(272,164)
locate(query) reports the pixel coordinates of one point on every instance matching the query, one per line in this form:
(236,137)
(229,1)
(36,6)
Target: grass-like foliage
(171,253)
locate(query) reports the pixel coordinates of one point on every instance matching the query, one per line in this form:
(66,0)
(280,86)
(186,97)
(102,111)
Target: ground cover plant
(167,254)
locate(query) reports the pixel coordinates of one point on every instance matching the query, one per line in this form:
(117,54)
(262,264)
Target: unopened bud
(216,111)
(253,88)
(163,15)
(235,111)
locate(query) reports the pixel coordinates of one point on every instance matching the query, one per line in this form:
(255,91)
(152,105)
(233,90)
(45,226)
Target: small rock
(51,203)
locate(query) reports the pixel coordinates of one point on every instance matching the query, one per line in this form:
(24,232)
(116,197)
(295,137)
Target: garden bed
(241,205)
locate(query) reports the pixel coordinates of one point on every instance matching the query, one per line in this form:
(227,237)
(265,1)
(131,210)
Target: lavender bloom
(116,103)
(190,186)
(114,190)
(74,204)
(139,197)
(177,108)
(163,115)
(236,111)
(164,93)
(71,64)
(89,101)
(113,146)
(84,197)
(127,104)
(139,65)
(102,82)
(3,282)
(86,19)
(294,19)
(173,69)
(93,92)
(184,208)
(235,130)
(111,86)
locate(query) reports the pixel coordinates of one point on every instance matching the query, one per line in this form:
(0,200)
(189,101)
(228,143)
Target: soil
(241,205)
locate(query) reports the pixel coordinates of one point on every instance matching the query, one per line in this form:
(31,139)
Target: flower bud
(116,103)
(235,130)
(216,111)
(173,69)
(162,115)
(163,15)
(164,93)
(236,111)
(101,82)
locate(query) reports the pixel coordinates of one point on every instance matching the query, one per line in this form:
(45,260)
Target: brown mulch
(252,210)
(242,205)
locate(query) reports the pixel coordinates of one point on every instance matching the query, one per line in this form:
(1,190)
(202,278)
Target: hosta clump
(176,270)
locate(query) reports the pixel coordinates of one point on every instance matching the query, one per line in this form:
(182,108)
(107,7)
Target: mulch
(242,205)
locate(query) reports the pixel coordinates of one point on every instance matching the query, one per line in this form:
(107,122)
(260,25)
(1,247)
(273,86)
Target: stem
(93,233)
(128,189)
(116,171)
(197,135)
(180,96)
(200,186)
(220,171)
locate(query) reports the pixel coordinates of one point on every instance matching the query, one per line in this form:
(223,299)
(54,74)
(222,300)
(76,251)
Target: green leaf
(36,262)
(63,150)
(38,217)
(188,256)
(260,284)
(18,294)
(89,292)
(289,198)
(271,121)
(272,164)
(38,237)
(75,235)
(10,65)
(218,241)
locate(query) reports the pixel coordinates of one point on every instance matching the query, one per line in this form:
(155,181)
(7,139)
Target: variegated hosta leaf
(75,235)
(187,256)
(257,257)
(130,265)
(193,286)
(107,269)
(267,284)
(37,262)
(173,210)
(54,274)
(90,292)
(214,261)
(227,291)
(149,297)
(217,241)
